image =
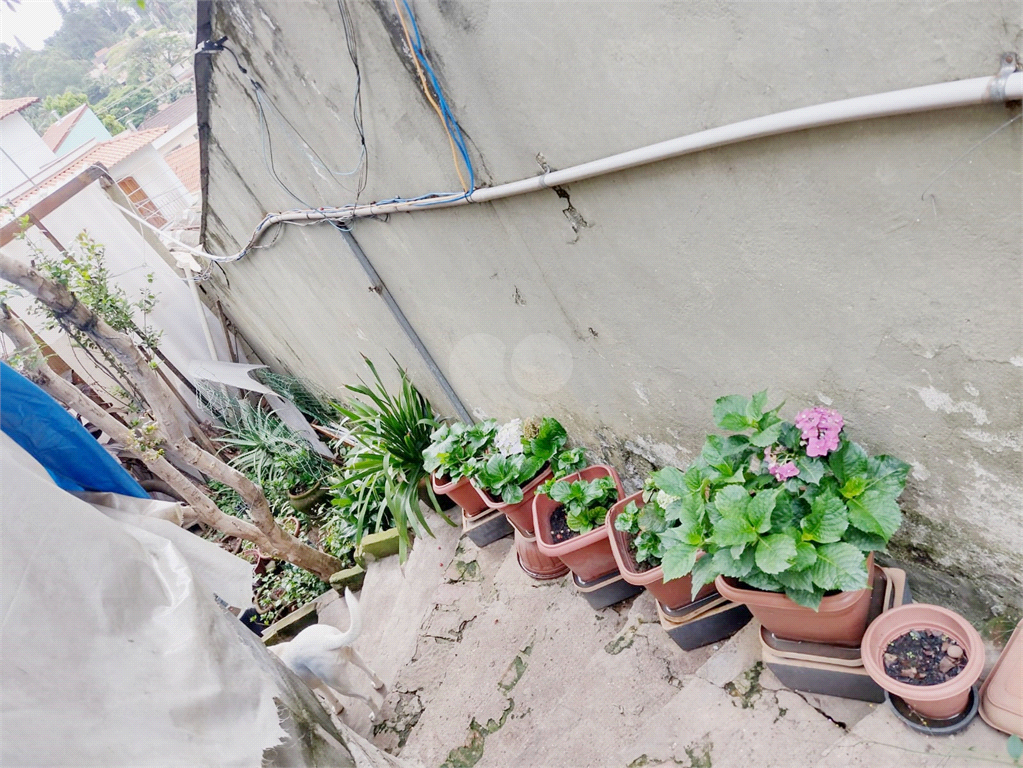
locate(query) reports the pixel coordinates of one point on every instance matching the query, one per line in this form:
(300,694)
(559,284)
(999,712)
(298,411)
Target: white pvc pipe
(961,93)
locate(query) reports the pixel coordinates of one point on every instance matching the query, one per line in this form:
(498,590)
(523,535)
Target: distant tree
(66,102)
(130,102)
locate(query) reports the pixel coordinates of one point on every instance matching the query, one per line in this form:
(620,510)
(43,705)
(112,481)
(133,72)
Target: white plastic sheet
(115,653)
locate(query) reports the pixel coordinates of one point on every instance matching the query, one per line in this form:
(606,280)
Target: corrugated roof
(107,153)
(10,106)
(184,161)
(174,113)
(57,132)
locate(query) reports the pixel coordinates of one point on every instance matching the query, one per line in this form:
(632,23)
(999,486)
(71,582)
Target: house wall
(27,149)
(859,266)
(177,136)
(87,128)
(151,171)
(130,258)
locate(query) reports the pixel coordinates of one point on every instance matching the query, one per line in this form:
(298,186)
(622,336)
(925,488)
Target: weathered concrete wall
(839,265)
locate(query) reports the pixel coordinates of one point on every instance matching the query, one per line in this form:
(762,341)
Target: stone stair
(488,667)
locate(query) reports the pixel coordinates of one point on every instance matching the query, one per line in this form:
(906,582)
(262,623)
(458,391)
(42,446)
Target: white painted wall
(177,136)
(151,171)
(23,144)
(130,259)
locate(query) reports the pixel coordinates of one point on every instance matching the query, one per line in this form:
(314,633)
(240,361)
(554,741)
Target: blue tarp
(41,426)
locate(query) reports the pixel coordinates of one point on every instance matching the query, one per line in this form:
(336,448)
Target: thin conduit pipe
(960,93)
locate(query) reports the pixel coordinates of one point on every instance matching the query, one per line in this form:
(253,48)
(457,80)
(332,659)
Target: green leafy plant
(503,476)
(522,451)
(269,451)
(785,507)
(1014,746)
(648,521)
(455,450)
(585,502)
(391,433)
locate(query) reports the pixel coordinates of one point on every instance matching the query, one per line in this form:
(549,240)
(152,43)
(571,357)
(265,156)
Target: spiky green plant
(392,432)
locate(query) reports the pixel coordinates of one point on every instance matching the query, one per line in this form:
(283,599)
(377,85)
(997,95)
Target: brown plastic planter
(587,555)
(840,620)
(460,492)
(673,594)
(535,563)
(1001,696)
(943,701)
(520,514)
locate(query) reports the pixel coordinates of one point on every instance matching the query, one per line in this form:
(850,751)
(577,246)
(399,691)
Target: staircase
(487,667)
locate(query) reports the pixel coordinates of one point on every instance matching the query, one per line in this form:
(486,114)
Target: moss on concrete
(746,687)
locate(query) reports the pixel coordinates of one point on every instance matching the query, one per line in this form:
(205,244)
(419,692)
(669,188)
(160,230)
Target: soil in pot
(924,657)
(638,567)
(559,526)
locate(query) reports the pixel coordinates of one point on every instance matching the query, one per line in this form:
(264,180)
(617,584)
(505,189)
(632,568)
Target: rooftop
(184,161)
(107,153)
(59,131)
(174,113)
(10,106)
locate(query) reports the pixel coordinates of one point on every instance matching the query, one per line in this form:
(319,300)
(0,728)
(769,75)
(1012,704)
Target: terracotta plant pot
(533,562)
(307,500)
(840,620)
(943,701)
(520,514)
(587,555)
(674,594)
(462,493)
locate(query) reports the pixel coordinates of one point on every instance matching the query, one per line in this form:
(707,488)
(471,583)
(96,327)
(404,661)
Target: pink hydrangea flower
(780,471)
(820,428)
(783,472)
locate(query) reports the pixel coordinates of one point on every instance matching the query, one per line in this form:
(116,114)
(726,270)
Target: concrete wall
(27,149)
(848,265)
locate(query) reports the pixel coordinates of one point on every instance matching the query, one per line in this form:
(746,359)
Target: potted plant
(453,455)
(788,516)
(386,465)
(927,656)
(635,525)
(274,455)
(569,517)
(524,457)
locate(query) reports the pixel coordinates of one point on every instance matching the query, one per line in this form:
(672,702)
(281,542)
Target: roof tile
(10,106)
(108,153)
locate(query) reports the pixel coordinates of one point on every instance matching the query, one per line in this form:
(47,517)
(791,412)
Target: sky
(33,21)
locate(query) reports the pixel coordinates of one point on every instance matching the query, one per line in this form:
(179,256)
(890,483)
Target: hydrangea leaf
(875,512)
(810,470)
(827,520)
(839,566)
(652,518)
(760,580)
(801,581)
(806,556)
(736,567)
(678,560)
(628,519)
(854,486)
(848,461)
(732,502)
(807,599)
(730,413)
(733,531)
(865,542)
(671,480)
(704,572)
(759,510)
(767,436)
(775,553)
